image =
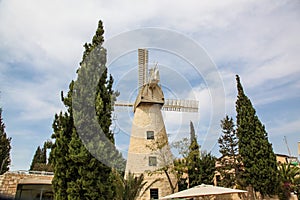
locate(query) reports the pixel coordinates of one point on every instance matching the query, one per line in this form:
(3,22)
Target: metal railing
(31,172)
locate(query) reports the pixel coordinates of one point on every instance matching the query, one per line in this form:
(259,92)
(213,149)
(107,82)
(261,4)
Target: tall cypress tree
(193,159)
(201,167)
(43,156)
(256,152)
(4,147)
(39,161)
(59,156)
(78,174)
(36,158)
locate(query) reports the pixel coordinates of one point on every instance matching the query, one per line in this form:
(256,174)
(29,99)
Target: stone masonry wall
(10,180)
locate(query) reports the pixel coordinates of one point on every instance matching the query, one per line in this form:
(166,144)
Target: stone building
(11,181)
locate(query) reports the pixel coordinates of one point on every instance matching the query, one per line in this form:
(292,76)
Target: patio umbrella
(202,190)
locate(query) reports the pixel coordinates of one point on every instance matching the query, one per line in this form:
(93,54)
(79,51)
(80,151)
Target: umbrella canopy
(202,190)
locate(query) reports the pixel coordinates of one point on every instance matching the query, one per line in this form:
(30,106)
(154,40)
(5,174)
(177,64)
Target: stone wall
(10,180)
(162,185)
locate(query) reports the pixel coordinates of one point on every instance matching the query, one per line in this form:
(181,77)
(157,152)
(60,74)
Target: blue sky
(41,44)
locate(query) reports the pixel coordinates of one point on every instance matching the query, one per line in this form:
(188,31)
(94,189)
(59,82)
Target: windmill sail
(176,105)
(180,105)
(143,79)
(143,67)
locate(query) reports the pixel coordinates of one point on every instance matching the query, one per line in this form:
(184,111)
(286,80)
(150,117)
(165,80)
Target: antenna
(287,146)
(143,67)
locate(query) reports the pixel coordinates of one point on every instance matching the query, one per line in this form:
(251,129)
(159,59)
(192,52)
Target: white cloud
(257,40)
(261,45)
(285,128)
(288,128)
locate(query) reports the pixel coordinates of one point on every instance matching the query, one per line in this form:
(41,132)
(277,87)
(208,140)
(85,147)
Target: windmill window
(150,135)
(152,161)
(154,193)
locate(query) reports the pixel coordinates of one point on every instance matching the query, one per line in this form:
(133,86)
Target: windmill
(169,104)
(148,125)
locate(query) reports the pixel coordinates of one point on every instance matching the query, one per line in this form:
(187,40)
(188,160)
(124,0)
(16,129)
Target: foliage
(297,185)
(182,146)
(230,164)
(131,187)
(194,168)
(38,158)
(207,168)
(200,166)
(39,161)
(193,133)
(228,141)
(289,177)
(193,160)
(78,174)
(181,174)
(5,147)
(180,164)
(197,167)
(256,152)
(179,168)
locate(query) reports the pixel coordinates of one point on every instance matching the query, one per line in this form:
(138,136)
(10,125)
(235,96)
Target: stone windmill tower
(149,150)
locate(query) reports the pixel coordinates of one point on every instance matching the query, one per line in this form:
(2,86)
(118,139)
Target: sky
(199,46)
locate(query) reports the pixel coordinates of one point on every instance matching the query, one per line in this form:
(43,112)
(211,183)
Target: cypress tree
(5,147)
(193,159)
(78,173)
(39,161)
(256,152)
(43,155)
(59,156)
(36,158)
(201,168)
(193,133)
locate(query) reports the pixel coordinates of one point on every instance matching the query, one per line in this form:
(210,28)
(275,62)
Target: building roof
(36,180)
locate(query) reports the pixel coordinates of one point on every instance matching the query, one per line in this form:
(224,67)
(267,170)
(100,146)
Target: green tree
(188,164)
(200,167)
(5,147)
(36,158)
(181,171)
(78,174)
(207,168)
(230,165)
(180,164)
(39,161)
(59,156)
(193,159)
(289,177)
(297,185)
(258,158)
